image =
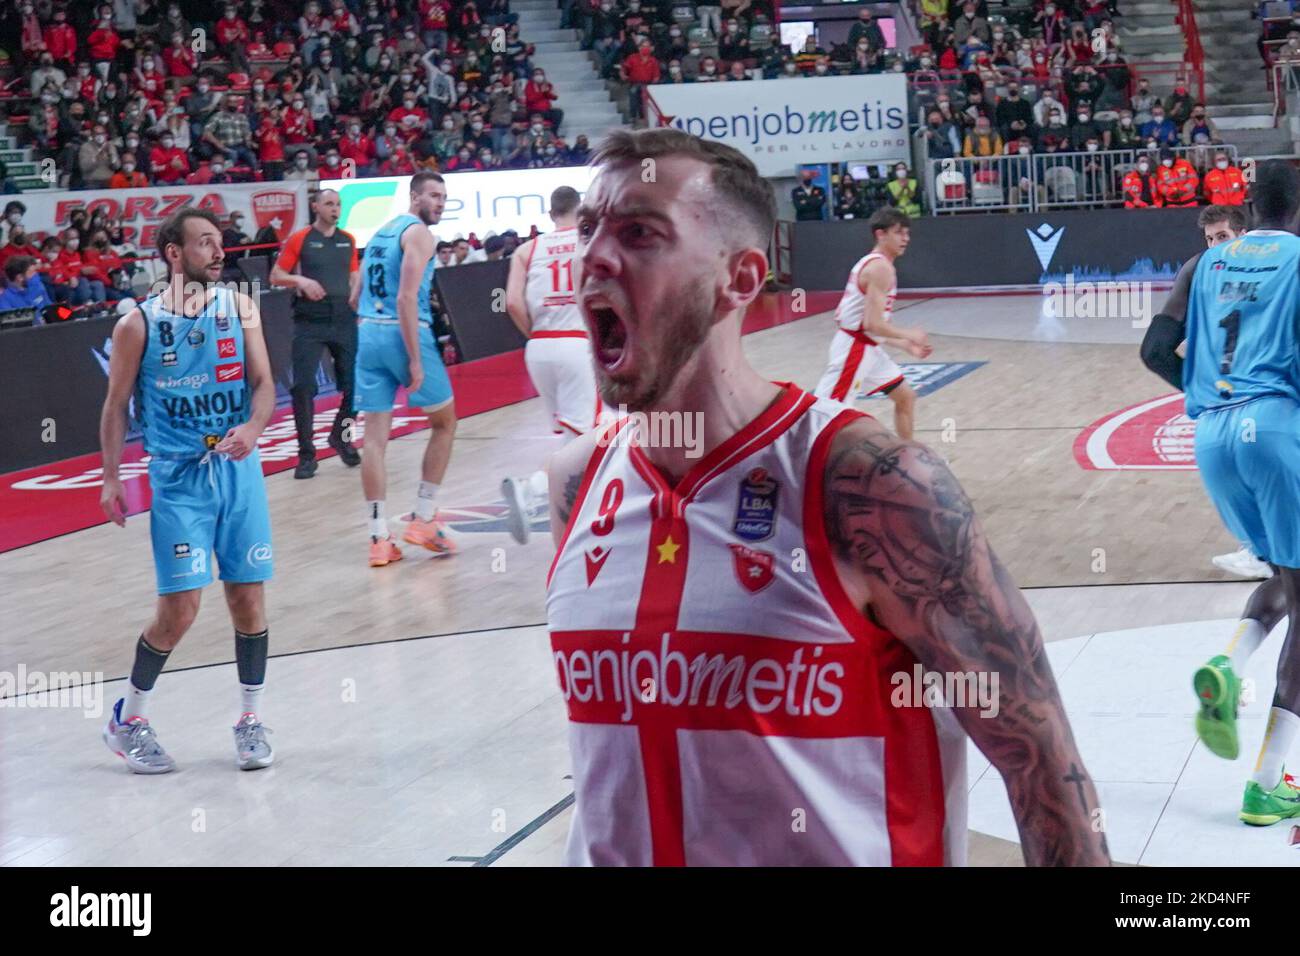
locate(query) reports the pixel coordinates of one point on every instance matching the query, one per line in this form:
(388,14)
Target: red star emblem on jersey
(595,561)
(754,569)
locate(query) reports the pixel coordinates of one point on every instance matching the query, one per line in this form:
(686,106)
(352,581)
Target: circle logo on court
(1155,435)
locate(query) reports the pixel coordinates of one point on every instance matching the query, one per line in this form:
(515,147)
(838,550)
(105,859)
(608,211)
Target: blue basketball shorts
(205,510)
(383,367)
(1249,458)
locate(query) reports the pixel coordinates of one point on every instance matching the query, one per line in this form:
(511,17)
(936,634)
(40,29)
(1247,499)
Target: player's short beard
(681,334)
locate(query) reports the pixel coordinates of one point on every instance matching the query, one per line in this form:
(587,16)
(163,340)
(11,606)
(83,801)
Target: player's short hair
(1276,192)
(173,228)
(424,176)
(1234,216)
(886,218)
(564,200)
(15,266)
(734,177)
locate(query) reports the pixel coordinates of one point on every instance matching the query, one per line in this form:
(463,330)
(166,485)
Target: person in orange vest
(1141,191)
(1224,184)
(1177,179)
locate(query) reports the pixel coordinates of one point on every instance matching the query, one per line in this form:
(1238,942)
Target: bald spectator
(127,175)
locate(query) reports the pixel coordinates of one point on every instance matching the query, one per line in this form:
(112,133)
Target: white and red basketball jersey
(728,704)
(548,288)
(848,314)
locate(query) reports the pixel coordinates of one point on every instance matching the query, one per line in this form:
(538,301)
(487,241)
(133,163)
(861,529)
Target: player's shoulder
(567,469)
(868,462)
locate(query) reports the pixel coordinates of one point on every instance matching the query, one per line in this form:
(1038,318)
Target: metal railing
(1284,78)
(1044,180)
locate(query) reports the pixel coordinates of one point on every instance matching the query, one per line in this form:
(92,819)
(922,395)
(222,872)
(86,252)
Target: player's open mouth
(609,337)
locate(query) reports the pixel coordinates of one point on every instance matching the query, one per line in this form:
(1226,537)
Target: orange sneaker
(431,535)
(384,552)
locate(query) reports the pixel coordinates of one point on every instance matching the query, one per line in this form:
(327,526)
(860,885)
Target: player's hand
(416,371)
(238,443)
(919,343)
(112,498)
(312,289)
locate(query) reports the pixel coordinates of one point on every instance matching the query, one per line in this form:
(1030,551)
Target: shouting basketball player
(194,358)
(732,633)
(539,297)
(859,363)
(1241,376)
(396,347)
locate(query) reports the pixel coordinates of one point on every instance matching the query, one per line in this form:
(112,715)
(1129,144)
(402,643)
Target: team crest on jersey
(756,509)
(168,359)
(754,569)
(195,338)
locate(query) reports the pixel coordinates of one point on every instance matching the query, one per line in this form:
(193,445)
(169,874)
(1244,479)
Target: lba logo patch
(1153,436)
(756,509)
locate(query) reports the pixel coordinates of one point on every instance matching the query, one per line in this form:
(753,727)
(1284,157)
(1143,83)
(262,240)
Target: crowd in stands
(1279,33)
(148,92)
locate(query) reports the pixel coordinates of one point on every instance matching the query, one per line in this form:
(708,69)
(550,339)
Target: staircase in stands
(23,168)
(583,95)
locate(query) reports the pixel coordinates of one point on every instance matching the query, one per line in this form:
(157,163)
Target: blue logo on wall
(1045,239)
(927,377)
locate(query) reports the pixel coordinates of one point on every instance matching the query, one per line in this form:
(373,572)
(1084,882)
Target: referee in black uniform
(321,263)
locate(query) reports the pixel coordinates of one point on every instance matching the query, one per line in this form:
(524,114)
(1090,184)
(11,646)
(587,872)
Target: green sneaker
(1260,807)
(1217,691)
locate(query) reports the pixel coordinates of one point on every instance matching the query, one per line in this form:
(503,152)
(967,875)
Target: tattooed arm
(909,551)
(565,471)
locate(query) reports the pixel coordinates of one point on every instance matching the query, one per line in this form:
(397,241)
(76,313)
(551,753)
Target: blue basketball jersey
(381,273)
(193,384)
(1243,339)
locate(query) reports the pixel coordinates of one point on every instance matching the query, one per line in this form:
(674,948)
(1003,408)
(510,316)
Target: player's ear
(746,279)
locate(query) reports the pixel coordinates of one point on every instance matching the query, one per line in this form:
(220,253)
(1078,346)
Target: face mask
(448,125)
(1049,10)
(203,88)
(259,88)
(1126,121)
(167,143)
(1166,163)
(1221,163)
(332,160)
(1157,116)
(997,37)
(1024,150)
(217,169)
(820,69)
(900,174)
(51,254)
(406,78)
(128,167)
(73,244)
(100,138)
(326,60)
(674,33)
(301,162)
(537,77)
(390,130)
(550,151)
(132,143)
(49,98)
(695,51)
(15,217)
(537,130)
(1083,117)
(385,64)
(464,157)
(476,127)
(1092,147)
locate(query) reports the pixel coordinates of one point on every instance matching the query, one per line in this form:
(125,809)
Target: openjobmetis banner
(781,123)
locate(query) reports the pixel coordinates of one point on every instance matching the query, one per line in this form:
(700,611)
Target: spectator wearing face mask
(200,106)
(1141,186)
(809,199)
(1086,128)
(1125,135)
(1159,128)
(297,124)
(969,24)
(46,73)
(1224,184)
(18,245)
(410,117)
(234,235)
(72,271)
(24,290)
(1142,103)
(733,45)
(302,169)
(331,165)
(99,262)
(1014,115)
(1199,128)
(62,286)
(1179,105)
(464,160)
(904,192)
(942,140)
(128,176)
(638,71)
(1177,180)
(98,159)
(540,97)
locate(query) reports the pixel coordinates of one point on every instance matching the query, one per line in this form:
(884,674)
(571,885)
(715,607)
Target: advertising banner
(281,205)
(781,123)
(480,203)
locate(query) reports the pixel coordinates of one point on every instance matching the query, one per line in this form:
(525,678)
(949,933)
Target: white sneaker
(1243,564)
(518,520)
